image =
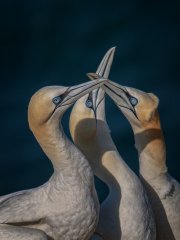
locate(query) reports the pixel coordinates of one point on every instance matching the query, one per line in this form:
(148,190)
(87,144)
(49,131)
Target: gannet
(126,213)
(141,111)
(66,207)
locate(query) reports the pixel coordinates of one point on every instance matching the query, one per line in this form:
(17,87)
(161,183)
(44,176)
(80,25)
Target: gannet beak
(119,95)
(106,63)
(74,93)
(102,71)
(117,92)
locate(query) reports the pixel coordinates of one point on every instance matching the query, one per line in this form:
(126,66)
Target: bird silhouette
(141,110)
(66,207)
(126,212)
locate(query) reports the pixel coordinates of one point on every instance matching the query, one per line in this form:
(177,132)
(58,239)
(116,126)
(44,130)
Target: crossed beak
(97,95)
(74,93)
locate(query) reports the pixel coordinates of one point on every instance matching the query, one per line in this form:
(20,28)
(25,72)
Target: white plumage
(66,207)
(140,109)
(126,213)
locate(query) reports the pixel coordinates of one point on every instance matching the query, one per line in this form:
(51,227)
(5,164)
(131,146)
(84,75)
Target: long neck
(99,148)
(150,144)
(67,160)
(103,157)
(114,169)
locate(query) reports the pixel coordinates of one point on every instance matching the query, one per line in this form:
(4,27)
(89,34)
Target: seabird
(66,207)
(141,111)
(126,212)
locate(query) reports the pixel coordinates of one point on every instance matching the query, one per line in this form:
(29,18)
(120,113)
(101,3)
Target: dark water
(56,42)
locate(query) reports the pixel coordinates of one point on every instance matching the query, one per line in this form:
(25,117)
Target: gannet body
(66,207)
(126,213)
(140,109)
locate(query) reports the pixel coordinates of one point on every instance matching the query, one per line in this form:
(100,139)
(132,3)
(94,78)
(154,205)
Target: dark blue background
(52,42)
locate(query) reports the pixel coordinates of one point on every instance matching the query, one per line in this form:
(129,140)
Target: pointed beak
(106,63)
(119,95)
(102,71)
(74,93)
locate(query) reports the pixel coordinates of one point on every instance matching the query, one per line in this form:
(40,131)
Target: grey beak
(75,92)
(102,71)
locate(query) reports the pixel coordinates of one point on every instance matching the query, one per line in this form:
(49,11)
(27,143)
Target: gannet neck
(103,156)
(150,144)
(126,200)
(115,172)
(65,157)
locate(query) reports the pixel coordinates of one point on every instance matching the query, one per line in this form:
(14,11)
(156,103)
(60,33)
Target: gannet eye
(57,100)
(89,103)
(133,101)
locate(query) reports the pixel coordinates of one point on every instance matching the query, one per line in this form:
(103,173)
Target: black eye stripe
(128,96)
(100,102)
(116,94)
(90,96)
(133,101)
(134,112)
(58,99)
(68,90)
(125,91)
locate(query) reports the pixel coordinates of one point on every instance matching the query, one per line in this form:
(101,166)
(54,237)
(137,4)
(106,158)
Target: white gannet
(140,109)
(125,214)
(66,207)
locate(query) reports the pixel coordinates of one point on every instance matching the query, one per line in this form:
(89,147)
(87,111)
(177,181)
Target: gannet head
(49,103)
(91,107)
(137,106)
(83,116)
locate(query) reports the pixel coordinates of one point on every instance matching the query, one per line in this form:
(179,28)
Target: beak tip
(113,49)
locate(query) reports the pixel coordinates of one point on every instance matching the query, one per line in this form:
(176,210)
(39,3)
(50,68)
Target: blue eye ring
(89,103)
(57,100)
(133,101)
